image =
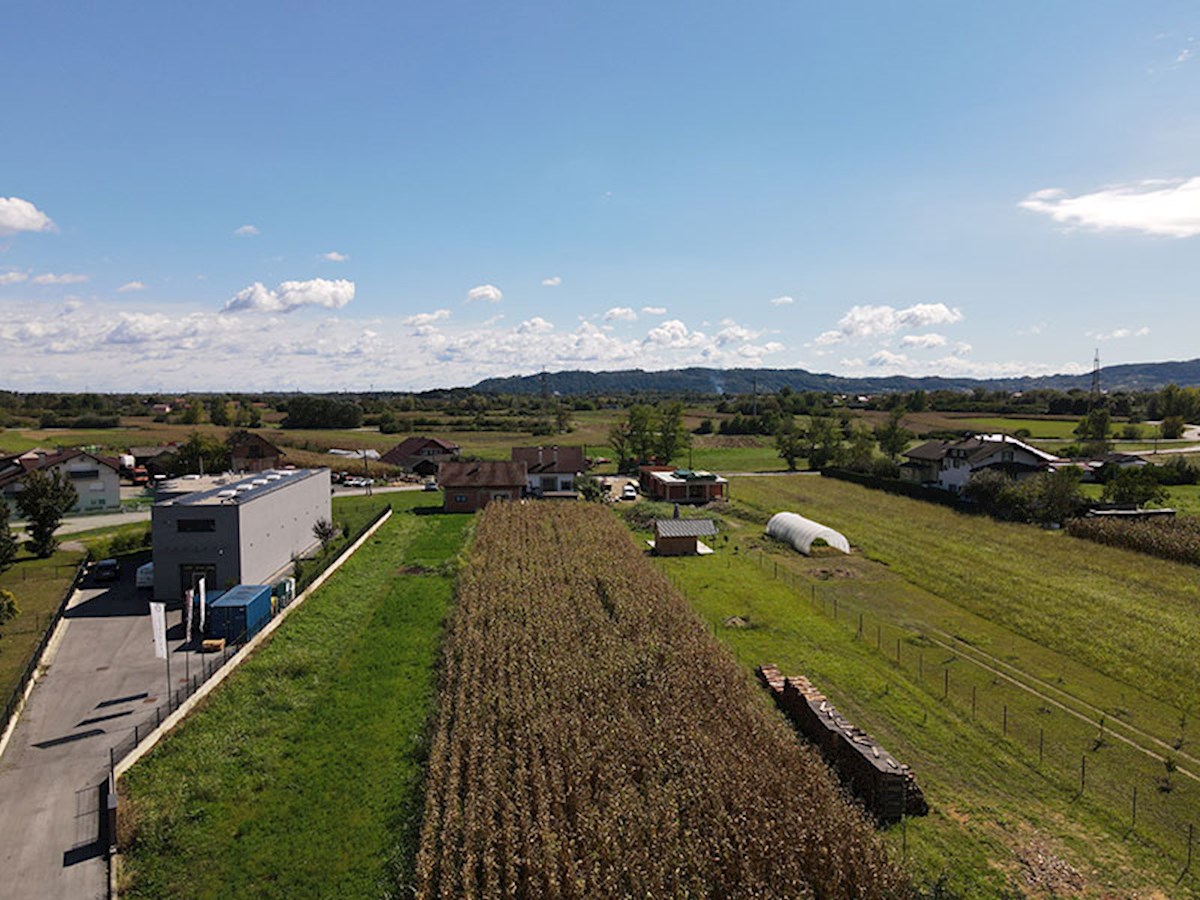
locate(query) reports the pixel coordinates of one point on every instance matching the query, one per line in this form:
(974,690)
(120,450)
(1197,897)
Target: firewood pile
(886,787)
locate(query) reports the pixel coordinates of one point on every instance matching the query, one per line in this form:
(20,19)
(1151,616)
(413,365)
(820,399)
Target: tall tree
(218,410)
(892,436)
(8,608)
(673,438)
(201,453)
(641,428)
(43,501)
(789,442)
(8,541)
(1138,486)
(823,442)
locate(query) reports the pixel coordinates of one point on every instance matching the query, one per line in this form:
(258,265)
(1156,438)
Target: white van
(145,576)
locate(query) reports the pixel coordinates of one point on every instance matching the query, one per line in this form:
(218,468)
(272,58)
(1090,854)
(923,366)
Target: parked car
(145,576)
(107,570)
(430,486)
(629,492)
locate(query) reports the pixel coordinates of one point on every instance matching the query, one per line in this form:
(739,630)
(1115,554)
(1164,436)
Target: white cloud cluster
(292,295)
(246,231)
(1118,333)
(488,293)
(18,215)
(12,277)
(1169,208)
(536,325)
(64,278)
(783,301)
(334,256)
(553,281)
(923,341)
(620,314)
(130,286)
(880,321)
(422,319)
(654,310)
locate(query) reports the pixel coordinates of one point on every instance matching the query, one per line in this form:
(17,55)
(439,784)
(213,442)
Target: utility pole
(1094,396)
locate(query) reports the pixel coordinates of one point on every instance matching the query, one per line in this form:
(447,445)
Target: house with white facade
(96,479)
(550,470)
(949,465)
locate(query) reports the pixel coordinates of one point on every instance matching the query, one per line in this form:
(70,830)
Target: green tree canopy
(43,501)
(8,541)
(1136,485)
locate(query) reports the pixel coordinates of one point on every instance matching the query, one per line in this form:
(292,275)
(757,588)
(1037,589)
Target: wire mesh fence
(1143,784)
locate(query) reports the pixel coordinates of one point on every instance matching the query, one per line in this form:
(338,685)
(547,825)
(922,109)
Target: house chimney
(539,455)
(556,456)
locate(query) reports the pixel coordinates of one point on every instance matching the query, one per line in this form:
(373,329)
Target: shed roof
(481,474)
(545,460)
(681,528)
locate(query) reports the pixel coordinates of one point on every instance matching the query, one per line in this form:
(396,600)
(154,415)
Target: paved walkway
(102,680)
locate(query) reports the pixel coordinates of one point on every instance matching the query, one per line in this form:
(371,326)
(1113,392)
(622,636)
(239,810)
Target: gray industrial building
(245,531)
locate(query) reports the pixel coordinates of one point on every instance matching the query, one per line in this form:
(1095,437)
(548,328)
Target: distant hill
(1130,377)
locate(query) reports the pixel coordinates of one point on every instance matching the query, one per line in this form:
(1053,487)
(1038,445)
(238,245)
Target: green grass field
(301,776)
(38,585)
(1039,429)
(1033,637)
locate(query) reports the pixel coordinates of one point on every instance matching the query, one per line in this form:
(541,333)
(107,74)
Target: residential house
(950,465)
(551,471)
(421,455)
(249,452)
(469,486)
(96,479)
(681,485)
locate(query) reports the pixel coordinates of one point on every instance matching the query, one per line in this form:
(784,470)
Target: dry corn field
(594,741)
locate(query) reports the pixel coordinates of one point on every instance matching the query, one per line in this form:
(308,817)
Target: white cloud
(129,286)
(246,231)
(783,301)
(12,277)
(65,278)
(620,314)
(673,333)
(486,292)
(292,295)
(962,348)
(1118,333)
(924,341)
(654,310)
(887,359)
(553,281)
(18,215)
(876,321)
(536,325)
(334,256)
(427,318)
(1184,55)
(1161,207)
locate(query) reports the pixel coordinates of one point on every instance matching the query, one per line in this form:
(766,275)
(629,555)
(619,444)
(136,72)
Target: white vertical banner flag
(187,610)
(200,588)
(158,622)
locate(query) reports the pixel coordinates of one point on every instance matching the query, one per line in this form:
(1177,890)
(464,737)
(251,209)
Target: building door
(191,573)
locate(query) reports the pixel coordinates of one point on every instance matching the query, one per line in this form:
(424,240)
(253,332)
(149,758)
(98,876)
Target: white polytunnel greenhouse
(801,532)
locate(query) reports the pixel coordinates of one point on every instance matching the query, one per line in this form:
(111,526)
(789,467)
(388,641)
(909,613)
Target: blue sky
(320,196)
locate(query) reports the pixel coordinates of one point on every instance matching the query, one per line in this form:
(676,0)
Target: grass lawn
(1100,634)
(38,585)
(1039,429)
(301,775)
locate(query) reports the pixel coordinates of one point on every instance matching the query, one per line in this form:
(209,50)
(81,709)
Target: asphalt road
(102,680)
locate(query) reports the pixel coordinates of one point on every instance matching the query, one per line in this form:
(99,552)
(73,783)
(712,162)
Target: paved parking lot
(103,678)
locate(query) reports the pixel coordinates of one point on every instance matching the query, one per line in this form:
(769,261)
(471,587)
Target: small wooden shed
(681,537)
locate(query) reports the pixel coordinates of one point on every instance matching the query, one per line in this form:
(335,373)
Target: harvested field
(594,741)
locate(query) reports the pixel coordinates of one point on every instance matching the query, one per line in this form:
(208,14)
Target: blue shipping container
(240,613)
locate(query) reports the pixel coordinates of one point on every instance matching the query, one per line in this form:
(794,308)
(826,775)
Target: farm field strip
(301,776)
(1042,690)
(1125,616)
(987,781)
(594,740)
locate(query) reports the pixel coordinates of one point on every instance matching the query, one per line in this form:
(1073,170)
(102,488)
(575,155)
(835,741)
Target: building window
(83,474)
(460,498)
(196,526)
